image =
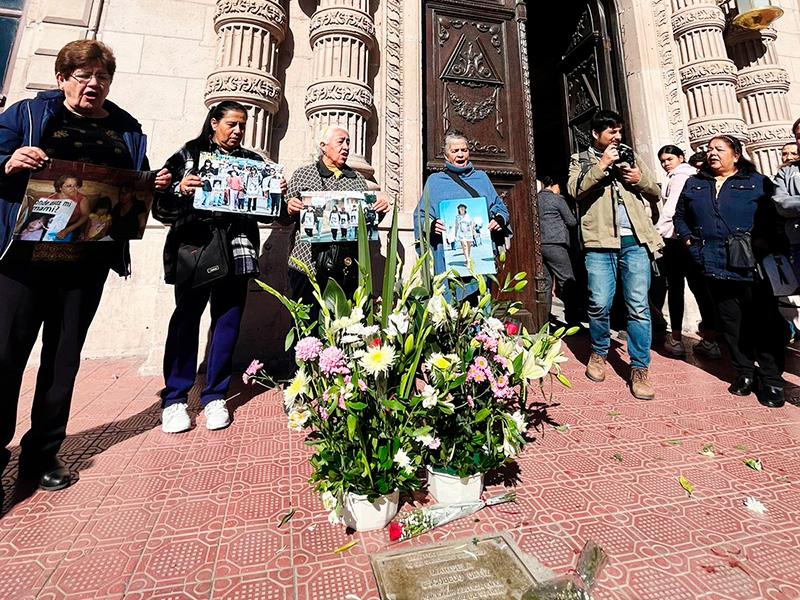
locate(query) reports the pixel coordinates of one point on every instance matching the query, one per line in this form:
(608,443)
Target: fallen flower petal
(754,506)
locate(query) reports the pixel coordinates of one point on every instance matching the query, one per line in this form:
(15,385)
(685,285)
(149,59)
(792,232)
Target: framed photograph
(467,237)
(77,202)
(238,185)
(333,216)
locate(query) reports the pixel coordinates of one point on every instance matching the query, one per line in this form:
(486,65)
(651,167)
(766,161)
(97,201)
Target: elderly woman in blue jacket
(729,197)
(459,180)
(56,287)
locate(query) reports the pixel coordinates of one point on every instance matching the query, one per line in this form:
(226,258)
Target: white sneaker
(175,419)
(217,416)
(673,346)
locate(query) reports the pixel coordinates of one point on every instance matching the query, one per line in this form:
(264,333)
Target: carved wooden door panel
(476,82)
(588,77)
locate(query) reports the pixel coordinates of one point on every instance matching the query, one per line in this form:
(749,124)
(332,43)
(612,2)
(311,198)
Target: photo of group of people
(467,237)
(76,202)
(239,185)
(333,216)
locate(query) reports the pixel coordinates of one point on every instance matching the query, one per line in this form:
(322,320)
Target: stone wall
(788,48)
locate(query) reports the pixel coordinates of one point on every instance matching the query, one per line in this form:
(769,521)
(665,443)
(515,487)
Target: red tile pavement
(194,516)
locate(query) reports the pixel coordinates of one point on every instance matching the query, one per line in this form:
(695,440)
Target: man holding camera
(613,189)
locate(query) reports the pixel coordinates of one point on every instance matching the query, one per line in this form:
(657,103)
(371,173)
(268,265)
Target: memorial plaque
(484,568)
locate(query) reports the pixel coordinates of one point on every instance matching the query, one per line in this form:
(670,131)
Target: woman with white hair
(329,172)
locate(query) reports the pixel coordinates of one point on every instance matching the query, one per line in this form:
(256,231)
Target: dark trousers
(558,268)
(61,299)
(679,267)
(753,328)
(227,300)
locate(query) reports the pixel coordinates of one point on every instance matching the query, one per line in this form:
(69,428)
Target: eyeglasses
(84,78)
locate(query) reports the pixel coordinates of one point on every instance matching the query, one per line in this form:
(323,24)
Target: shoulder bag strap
(469,189)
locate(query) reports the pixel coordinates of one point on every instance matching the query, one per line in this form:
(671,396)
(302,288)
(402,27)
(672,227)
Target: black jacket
(744,204)
(555,218)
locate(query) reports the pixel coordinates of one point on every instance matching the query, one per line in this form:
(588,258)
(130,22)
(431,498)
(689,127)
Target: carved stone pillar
(342,33)
(762,89)
(248,35)
(708,76)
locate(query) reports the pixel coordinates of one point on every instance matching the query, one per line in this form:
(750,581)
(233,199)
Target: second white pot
(450,489)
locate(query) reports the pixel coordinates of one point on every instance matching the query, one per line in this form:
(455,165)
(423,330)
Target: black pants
(679,267)
(62,298)
(754,330)
(558,268)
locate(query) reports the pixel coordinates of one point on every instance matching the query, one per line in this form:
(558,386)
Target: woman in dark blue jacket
(729,197)
(56,287)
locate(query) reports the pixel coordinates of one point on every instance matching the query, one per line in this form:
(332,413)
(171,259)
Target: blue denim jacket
(744,204)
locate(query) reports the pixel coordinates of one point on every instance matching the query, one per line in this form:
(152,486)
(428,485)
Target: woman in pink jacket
(678,265)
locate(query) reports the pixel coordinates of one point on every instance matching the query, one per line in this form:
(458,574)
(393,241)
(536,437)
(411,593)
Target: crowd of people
(209,257)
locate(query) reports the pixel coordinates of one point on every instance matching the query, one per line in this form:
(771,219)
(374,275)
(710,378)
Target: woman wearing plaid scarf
(222,133)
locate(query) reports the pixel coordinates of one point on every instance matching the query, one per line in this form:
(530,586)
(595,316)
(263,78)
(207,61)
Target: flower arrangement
(386,384)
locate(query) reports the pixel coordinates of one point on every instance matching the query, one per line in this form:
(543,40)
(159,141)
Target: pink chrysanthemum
(308,349)
(323,414)
(342,405)
(502,361)
(254,367)
(475,374)
(362,387)
(331,361)
(434,445)
(481,362)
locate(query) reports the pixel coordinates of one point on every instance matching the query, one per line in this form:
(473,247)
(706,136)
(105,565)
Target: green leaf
(287,518)
(671,443)
(613,414)
(364,259)
(394,405)
(561,428)
(782,479)
(618,458)
(742,447)
(754,463)
(352,421)
(708,450)
(335,298)
(289,340)
(390,272)
(347,546)
(685,485)
(356,405)
(482,414)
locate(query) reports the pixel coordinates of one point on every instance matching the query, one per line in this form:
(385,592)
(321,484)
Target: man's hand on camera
(631,175)
(610,156)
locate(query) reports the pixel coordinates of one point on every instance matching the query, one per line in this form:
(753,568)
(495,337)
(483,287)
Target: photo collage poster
(467,236)
(333,216)
(238,185)
(78,202)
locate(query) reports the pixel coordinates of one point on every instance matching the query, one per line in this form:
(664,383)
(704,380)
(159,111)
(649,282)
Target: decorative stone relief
(708,76)
(341,34)
(762,89)
(249,33)
(393,112)
(668,70)
(470,65)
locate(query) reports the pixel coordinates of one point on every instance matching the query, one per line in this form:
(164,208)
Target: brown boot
(640,385)
(596,369)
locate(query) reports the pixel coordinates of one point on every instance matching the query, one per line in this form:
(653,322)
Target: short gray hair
(451,136)
(324,136)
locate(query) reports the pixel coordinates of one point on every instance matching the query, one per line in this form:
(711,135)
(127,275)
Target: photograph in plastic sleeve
(333,216)
(467,237)
(238,185)
(77,202)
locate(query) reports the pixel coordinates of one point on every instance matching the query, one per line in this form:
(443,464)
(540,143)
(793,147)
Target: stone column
(708,76)
(762,88)
(342,33)
(248,35)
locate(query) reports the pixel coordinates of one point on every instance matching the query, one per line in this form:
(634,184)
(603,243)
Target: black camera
(626,155)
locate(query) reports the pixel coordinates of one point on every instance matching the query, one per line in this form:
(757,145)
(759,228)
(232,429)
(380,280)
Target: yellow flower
(298,387)
(298,418)
(377,359)
(439,361)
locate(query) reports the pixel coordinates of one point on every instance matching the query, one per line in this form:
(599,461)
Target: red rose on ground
(512,328)
(395,531)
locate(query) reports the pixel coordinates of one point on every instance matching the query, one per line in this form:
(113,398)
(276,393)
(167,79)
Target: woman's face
(35,225)
(670,161)
(457,153)
(70,187)
(125,195)
(721,157)
(229,130)
(85,89)
(462,210)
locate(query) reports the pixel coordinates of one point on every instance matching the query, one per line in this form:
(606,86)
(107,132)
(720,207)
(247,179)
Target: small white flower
(403,461)
(377,359)
(495,327)
(298,417)
(355,317)
(425,440)
(430,397)
(754,506)
(297,388)
(521,421)
(362,330)
(333,518)
(398,325)
(441,312)
(509,449)
(329,501)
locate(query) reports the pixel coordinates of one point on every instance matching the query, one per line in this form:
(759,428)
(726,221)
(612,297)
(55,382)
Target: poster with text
(333,216)
(78,202)
(238,185)
(466,236)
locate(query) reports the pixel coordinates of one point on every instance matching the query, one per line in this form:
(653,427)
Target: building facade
(522,80)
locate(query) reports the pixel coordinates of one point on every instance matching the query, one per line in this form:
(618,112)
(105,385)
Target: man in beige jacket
(614,191)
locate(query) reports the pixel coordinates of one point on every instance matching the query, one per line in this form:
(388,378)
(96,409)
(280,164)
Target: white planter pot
(362,515)
(450,489)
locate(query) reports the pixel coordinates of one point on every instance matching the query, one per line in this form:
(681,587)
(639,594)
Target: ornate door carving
(477,82)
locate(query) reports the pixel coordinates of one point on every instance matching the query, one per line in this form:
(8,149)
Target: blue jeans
(632,264)
(227,300)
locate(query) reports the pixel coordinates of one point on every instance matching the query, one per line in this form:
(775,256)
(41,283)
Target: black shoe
(771,396)
(743,386)
(51,476)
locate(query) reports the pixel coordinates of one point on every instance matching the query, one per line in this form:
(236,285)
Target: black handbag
(739,252)
(204,256)
(337,262)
